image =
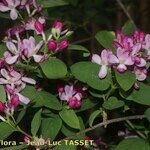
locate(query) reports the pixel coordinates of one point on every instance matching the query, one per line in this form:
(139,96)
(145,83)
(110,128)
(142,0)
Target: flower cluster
(73,94)
(132,54)
(22,47)
(13,6)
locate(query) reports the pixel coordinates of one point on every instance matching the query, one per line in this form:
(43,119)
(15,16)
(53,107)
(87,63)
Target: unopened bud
(52,45)
(63,44)
(14,102)
(38,26)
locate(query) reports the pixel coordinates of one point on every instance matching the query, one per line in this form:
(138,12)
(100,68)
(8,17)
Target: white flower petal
(96,59)
(23,99)
(3,81)
(38,58)
(103,72)
(4,8)
(13,14)
(28,80)
(11,60)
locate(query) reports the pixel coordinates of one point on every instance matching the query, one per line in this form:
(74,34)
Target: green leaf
(128,28)
(86,104)
(105,38)
(133,144)
(68,131)
(79,48)
(147,114)
(142,95)
(113,103)
(2,94)
(52,3)
(50,127)
(41,98)
(54,68)
(5,130)
(36,122)
(87,72)
(70,118)
(125,80)
(19,147)
(21,115)
(93,116)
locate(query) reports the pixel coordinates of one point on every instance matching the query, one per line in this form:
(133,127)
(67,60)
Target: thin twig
(106,123)
(125,11)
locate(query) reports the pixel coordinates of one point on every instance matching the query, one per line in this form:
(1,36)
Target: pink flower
(141,73)
(11,6)
(14,102)
(52,45)
(14,82)
(103,62)
(123,60)
(13,53)
(63,44)
(36,25)
(58,25)
(31,49)
(71,94)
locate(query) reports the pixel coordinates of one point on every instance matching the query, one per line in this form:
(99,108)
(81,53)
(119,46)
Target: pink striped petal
(3,81)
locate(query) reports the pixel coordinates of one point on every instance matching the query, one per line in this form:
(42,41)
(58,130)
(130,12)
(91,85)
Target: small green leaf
(141,96)
(52,3)
(93,116)
(105,38)
(147,114)
(50,127)
(133,144)
(72,2)
(70,118)
(36,122)
(2,94)
(125,80)
(54,68)
(113,103)
(128,28)
(5,130)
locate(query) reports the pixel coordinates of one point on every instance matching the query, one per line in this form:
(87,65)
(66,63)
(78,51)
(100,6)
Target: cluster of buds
(15,5)
(57,42)
(72,94)
(132,54)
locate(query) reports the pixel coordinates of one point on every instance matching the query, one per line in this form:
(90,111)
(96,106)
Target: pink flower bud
(38,26)
(63,44)
(137,60)
(2,107)
(14,102)
(74,103)
(58,25)
(52,45)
